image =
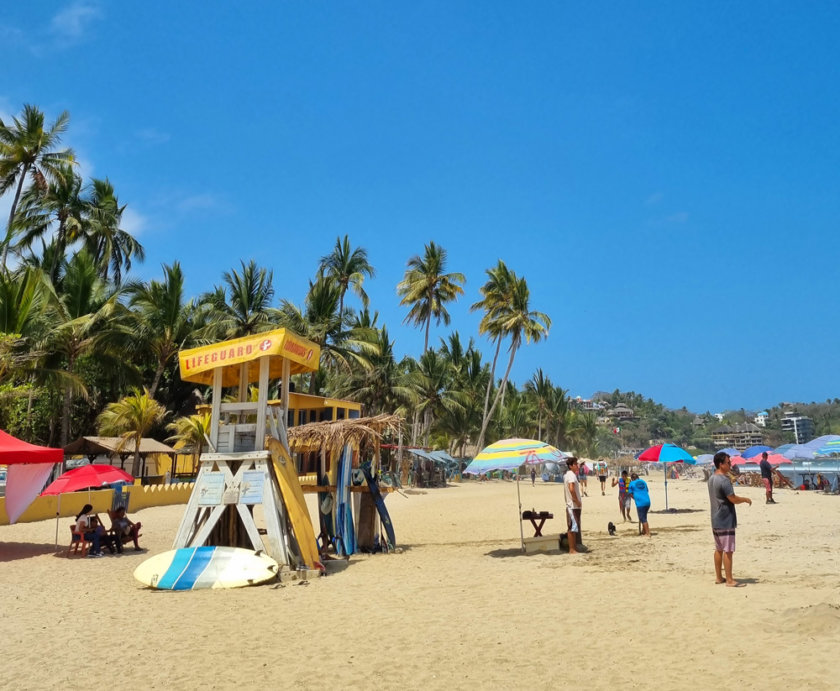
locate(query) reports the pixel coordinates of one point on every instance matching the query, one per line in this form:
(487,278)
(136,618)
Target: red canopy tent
(29,467)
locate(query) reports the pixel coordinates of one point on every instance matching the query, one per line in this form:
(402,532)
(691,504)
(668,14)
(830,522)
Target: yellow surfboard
(295,503)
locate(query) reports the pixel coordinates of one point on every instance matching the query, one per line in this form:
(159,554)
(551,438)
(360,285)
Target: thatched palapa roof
(358,432)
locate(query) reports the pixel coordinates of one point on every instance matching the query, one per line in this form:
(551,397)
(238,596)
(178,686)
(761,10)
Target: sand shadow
(519,552)
(672,511)
(12,551)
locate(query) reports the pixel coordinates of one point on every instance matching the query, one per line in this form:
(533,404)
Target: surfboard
(295,504)
(196,568)
(379,501)
(344,528)
(326,514)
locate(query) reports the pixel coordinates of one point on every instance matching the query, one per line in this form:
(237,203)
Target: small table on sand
(534,516)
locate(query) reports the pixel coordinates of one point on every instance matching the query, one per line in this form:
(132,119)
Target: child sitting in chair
(125,529)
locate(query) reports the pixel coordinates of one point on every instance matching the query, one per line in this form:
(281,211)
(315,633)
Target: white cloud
(197,202)
(133,222)
(73,22)
(680,217)
(153,136)
(654,199)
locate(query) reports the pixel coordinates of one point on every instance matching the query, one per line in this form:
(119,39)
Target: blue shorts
(641,512)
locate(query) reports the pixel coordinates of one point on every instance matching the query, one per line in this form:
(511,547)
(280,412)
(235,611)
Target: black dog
(611,528)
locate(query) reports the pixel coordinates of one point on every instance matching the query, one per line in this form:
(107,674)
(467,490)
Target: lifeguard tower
(240,474)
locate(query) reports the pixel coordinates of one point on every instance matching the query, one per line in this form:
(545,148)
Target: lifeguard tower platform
(240,478)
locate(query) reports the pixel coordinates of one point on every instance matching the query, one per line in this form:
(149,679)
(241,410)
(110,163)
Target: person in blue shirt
(638,489)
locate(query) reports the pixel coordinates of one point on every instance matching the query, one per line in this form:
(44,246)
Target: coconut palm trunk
(12,211)
(514,346)
(484,416)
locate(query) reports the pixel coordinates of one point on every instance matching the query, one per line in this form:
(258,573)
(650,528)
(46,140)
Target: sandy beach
(459,607)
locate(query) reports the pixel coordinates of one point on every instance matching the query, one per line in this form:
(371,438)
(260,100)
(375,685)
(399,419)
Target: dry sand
(459,607)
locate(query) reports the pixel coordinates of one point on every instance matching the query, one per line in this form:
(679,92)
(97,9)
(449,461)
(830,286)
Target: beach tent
(29,467)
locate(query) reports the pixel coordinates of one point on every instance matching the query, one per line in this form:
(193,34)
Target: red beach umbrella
(86,477)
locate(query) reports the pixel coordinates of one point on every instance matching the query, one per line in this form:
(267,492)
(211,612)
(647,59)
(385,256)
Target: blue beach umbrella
(799,451)
(731,450)
(756,451)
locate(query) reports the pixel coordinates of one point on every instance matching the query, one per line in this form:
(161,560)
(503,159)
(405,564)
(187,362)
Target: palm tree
(381,388)
(348,268)
(585,432)
(342,346)
(497,294)
(131,418)
(164,321)
(558,414)
(22,302)
(27,148)
(242,306)
(427,288)
(470,377)
(539,386)
(111,246)
(433,385)
(192,431)
(518,321)
(61,206)
(84,317)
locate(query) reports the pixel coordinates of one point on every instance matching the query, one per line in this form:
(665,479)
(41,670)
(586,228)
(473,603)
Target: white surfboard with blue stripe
(194,568)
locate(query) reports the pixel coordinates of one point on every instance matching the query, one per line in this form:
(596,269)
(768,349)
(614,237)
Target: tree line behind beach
(84,349)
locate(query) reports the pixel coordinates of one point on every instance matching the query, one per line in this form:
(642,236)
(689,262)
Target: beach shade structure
(740,460)
(665,454)
(84,477)
(29,466)
(756,451)
(511,454)
(705,459)
(774,459)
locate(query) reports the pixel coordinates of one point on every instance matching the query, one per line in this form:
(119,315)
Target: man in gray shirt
(724,520)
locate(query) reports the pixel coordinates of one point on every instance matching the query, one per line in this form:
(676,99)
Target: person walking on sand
(533,476)
(724,519)
(767,477)
(603,469)
(582,473)
(638,489)
(623,496)
(571,488)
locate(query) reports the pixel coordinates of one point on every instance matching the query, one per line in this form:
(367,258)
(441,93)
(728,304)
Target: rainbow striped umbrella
(509,454)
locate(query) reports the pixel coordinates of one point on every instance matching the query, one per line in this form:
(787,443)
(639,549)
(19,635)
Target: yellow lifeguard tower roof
(197,364)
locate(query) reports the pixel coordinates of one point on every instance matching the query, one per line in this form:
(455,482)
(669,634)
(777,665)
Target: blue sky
(665,175)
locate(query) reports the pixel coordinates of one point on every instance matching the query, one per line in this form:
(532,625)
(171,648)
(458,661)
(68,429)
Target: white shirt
(82,523)
(569,479)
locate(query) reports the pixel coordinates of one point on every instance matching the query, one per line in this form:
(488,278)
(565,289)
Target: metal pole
(665,465)
(519,500)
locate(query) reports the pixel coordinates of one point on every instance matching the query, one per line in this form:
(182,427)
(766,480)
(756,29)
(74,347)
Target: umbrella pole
(57,515)
(665,466)
(519,499)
